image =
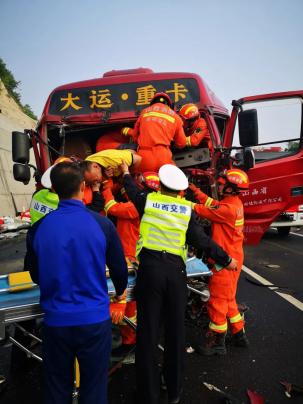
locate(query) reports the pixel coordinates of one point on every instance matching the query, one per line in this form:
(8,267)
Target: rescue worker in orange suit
(167,224)
(111,139)
(195,126)
(227,219)
(128,223)
(156,128)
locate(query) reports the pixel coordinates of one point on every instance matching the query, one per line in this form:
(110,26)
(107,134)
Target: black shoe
(240,339)
(214,344)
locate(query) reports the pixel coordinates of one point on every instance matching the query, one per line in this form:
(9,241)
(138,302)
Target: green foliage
(11,85)
(28,111)
(293,146)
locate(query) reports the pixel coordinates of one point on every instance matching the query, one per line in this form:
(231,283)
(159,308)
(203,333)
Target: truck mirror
(248,127)
(20,147)
(249,158)
(22,173)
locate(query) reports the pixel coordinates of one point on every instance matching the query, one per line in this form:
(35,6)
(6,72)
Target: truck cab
(77,115)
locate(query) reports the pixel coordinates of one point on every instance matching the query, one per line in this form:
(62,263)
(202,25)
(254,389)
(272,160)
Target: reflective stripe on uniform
(109,204)
(167,232)
(163,222)
(163,246)
(236,318)
(188,142)
(159,115)
(216,327)
(191,108)
(158,235)
(208,202)
(239,222)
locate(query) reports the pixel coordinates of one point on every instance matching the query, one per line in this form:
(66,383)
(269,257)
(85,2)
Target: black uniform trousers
(161,294)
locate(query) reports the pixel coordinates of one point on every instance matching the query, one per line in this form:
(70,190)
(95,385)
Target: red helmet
(189,111)
(148,179)
(235,178)
(163,98)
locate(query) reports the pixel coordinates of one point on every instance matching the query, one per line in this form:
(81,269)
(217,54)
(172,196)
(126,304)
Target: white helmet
(173,178)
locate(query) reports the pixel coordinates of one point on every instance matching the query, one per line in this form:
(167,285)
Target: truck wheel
(283,231)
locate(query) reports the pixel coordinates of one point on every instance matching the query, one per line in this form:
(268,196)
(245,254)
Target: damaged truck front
(76,115)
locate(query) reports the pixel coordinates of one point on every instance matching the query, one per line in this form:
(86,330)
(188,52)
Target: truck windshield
(121,97)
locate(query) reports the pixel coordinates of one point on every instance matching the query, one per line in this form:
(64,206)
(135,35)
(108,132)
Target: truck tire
(283,231)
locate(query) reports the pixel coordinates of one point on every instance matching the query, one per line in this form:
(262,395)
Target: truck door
(276,180)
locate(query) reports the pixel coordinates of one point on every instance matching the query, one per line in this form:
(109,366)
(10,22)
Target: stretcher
(23,305)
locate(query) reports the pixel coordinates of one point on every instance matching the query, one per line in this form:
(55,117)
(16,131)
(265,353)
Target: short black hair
(66,178)
(86,165)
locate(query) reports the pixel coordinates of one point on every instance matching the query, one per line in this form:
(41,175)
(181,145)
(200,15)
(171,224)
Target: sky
(240,48)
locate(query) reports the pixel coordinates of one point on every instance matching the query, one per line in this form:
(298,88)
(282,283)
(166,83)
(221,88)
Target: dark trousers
(91,344)
(161,294)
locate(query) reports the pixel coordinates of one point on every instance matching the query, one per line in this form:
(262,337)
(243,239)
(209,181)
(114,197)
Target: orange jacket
(158,125)
(111,140)
(198,133)
(227,219)
(128,221)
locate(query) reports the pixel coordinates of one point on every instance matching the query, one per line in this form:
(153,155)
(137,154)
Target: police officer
(167,225)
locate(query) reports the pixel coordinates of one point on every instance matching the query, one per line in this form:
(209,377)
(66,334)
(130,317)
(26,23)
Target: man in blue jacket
(66,254)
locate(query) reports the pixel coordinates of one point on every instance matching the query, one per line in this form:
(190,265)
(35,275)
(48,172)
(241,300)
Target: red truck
(77,114)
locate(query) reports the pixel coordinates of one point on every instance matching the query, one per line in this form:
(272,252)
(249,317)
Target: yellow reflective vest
(164,224)
(43,202)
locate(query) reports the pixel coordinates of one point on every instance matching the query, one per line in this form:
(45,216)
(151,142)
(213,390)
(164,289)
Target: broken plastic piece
(254,397)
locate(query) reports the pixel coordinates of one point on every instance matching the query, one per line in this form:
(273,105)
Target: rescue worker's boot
(240,339)
(214,344)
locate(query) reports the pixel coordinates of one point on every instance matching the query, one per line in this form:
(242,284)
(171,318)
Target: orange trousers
(154,157)
(128,334)
(222,306)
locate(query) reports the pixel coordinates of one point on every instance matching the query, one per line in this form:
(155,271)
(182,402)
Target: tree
(11,85)
(293,146)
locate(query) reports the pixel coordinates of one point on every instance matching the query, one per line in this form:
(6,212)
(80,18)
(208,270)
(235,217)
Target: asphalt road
(273,324)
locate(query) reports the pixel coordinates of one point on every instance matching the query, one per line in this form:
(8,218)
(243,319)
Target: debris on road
(273,266)
(228,398)
(11,227)
(190,349)
(254,397)
(292,389)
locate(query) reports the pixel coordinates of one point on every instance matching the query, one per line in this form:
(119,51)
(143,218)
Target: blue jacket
(66,254)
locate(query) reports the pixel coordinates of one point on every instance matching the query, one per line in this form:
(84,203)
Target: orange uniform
(227,219)
(199,134)
(156,128)
(110,140)
(128,223)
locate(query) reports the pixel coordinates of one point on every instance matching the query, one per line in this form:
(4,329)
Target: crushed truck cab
(78,115)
